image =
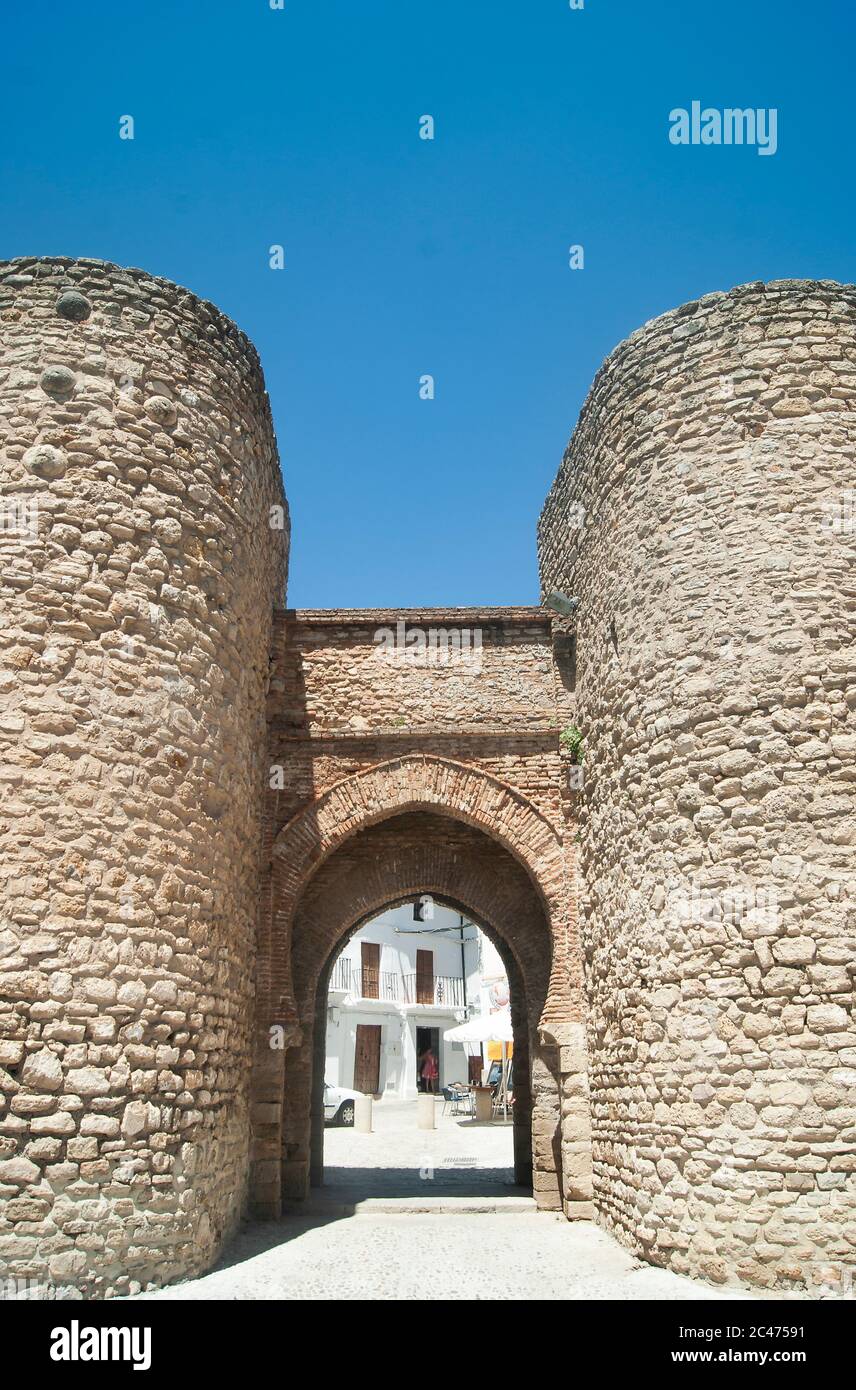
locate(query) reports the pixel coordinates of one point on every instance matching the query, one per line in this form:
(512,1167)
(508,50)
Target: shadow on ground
(429,1182)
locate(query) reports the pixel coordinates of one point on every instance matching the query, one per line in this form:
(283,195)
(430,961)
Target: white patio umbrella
(483,1028)
(494,1028)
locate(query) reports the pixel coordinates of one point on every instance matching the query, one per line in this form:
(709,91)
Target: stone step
(342,1203)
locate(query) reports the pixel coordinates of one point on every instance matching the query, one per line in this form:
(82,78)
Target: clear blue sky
(449,257)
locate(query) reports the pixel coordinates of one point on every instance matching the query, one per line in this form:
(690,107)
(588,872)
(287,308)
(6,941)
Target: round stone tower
(705,518)
(143,545)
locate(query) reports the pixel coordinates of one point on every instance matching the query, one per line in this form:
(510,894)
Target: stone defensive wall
(704,517)
(444,725)
(204,793)
(350,688)
(432,692)
(138,460)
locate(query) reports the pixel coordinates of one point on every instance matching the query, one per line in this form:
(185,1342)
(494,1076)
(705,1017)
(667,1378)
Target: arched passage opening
(397,860)
(416,826)
(405,1013)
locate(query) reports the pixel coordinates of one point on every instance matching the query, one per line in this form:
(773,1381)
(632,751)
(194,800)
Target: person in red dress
(429,1070)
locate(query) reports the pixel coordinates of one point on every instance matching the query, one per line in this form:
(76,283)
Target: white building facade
(396,988)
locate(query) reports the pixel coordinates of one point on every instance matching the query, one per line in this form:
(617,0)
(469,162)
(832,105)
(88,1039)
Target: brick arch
(397,860)
(406,855)
(308,853)
(458,790)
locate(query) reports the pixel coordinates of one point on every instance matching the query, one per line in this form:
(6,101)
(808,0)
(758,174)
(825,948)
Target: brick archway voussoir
(410,782)
(471,794)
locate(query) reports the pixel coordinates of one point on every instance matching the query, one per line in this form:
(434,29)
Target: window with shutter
(425,977)
(370,960)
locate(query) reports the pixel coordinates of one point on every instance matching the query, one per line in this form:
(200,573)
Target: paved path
(429,1214)
(515,1256)
(460,1163)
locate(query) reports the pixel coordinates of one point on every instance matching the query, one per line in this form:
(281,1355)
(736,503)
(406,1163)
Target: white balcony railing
(340,975)
(445,990)
(441,990)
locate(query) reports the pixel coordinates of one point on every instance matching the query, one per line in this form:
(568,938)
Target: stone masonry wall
(137,591)
(464,669)
(160,822)
(473,730)
(704,517)
(337,705)
(337,708)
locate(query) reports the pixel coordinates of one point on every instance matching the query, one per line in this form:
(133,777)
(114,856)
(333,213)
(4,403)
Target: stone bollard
(363,1114)
(425,1111)
(484,1103)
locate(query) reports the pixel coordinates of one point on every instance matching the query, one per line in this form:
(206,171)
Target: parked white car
(338,1105)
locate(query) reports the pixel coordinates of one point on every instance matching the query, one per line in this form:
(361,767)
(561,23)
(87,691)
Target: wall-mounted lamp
(560,603)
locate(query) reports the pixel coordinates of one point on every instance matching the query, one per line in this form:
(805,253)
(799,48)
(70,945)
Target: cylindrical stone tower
(142,547)
(705,518)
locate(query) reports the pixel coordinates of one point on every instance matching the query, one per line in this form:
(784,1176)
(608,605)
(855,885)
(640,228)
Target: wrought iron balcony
(445,990)
(438,990)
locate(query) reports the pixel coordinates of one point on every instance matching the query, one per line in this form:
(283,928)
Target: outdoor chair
(463,1098)
(450,1098)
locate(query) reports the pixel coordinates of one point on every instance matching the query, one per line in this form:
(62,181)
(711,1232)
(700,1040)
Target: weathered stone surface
(702,518)
(161,410)
(74,305)
(46,461)
(177,878)
(19,1171)
(828,1018)
(57,381)
(87,1082)
(134,1120)
(42,1071)
(133,662)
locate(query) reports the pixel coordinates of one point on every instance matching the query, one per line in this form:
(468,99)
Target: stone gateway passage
(643,792)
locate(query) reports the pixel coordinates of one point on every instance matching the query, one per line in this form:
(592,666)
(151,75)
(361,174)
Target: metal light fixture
(560,603)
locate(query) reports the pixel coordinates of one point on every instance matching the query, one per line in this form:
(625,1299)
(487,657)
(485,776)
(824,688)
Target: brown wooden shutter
(367,1059)
(425,977)
(370,960)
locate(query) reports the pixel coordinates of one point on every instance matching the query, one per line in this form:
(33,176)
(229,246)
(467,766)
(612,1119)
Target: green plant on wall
(571,739)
